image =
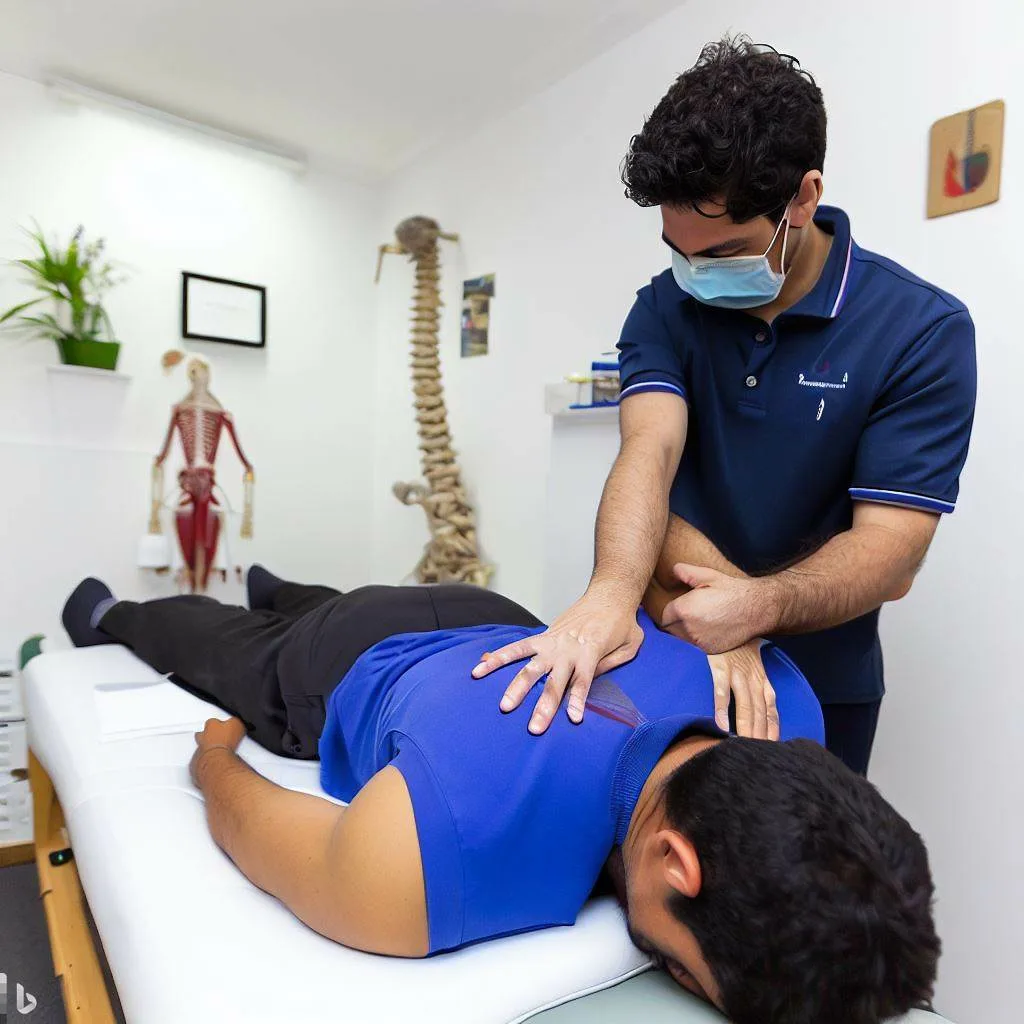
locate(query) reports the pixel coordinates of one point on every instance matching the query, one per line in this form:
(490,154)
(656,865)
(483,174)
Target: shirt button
(751,381)
(760,336)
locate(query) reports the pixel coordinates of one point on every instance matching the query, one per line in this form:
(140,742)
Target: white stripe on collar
(842,284)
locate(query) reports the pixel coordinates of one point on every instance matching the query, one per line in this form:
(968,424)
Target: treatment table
(187,937)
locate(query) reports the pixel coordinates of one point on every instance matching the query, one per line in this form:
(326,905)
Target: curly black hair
(816,896)
(743,126)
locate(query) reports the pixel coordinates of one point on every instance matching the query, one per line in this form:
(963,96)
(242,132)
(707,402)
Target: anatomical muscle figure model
(199,420)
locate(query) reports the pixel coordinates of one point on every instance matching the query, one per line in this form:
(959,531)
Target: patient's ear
(680,865)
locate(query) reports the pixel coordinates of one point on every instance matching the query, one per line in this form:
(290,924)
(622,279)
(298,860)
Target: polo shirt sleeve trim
(440,849)
(641,382)
(916,501)
(915,441)
(649,345)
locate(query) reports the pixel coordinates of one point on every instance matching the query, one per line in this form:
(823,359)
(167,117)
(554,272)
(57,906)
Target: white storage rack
(15,795)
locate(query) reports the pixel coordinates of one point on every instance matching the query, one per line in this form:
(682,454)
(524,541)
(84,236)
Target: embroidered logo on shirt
(807,383)
(821,409)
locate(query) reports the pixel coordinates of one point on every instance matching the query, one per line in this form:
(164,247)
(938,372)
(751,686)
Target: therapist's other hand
(216,732)
(598,633)
(719,613)
(740,674)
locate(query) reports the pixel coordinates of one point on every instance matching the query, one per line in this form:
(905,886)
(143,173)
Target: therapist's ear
(803,207)
(680,865)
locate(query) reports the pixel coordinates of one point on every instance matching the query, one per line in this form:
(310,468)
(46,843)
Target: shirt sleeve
(800,715)
(915,442)
(440,851)
(649,358)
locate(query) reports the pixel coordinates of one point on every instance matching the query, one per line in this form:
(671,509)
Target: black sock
(260,586)
(79,610)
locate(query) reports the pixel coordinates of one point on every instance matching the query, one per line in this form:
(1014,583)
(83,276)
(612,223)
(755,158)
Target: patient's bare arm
(353,874)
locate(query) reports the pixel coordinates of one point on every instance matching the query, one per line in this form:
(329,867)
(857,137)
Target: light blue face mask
(732,282)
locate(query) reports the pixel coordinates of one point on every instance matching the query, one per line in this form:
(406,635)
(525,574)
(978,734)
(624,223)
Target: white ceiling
(365,85)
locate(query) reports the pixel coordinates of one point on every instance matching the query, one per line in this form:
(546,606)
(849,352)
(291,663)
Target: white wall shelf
(87,372)
(559,398)
(593,413)
(85,406)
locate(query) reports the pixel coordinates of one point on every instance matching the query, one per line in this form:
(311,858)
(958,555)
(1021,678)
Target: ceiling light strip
(78,92)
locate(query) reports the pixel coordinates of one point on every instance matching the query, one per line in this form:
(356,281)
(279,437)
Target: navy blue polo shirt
(862,391)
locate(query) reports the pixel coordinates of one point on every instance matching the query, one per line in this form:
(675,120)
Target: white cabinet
(584,443)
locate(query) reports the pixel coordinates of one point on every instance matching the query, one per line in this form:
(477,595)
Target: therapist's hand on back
(598,633)
(717,612)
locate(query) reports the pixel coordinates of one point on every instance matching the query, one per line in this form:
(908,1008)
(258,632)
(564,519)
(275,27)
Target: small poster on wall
(966,159)
(476,314)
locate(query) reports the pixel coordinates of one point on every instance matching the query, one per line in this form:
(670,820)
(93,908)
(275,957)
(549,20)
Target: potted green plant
(74,280)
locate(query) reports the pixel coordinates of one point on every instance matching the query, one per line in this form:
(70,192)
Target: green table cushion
(653,998)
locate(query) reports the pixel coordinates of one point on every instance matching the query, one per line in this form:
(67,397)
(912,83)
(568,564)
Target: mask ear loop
(785,240)
(785,237)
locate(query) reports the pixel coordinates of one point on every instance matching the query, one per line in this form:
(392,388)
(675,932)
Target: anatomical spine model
(199,420)
(451,554)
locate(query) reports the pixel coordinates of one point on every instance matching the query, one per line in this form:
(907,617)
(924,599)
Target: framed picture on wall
(216,309)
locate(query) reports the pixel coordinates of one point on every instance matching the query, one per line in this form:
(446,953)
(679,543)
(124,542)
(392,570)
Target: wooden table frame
(75,960)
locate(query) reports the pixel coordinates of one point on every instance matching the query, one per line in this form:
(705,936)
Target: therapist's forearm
(854,573)
(631,522)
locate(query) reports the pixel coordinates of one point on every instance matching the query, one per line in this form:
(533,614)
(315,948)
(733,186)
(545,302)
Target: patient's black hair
(743,126)
(816,899)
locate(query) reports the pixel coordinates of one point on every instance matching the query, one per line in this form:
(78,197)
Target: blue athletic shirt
(513,828)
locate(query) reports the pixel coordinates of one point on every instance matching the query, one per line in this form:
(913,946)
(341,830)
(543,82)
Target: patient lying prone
(765,877)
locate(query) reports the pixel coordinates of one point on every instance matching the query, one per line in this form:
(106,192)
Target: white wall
(537,199)
(75,453)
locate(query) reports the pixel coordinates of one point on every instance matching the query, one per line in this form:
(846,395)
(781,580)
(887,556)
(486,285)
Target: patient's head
(775,882)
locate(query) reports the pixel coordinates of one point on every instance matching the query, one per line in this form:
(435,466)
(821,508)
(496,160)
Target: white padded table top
(188,937)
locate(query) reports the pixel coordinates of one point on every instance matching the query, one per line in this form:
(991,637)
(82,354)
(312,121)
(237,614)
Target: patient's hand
(216,733)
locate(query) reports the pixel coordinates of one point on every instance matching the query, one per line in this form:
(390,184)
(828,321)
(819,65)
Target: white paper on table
(126,710)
